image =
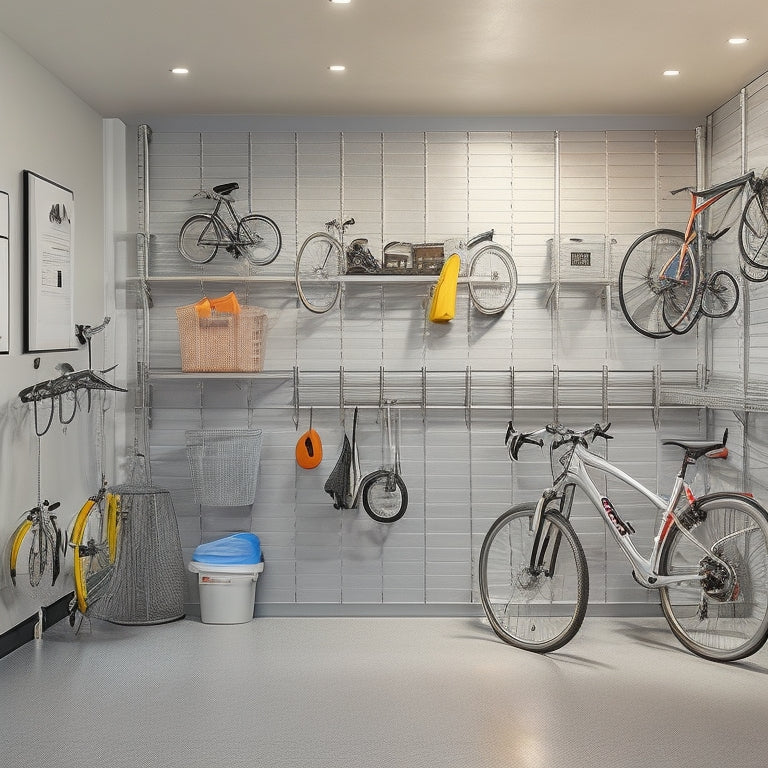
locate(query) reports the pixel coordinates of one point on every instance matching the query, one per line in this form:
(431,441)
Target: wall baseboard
(419,610)
(25,631)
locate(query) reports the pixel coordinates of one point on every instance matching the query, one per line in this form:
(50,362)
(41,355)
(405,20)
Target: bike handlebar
(515,440)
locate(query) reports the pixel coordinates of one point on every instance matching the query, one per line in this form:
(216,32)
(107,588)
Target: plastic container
(227,571)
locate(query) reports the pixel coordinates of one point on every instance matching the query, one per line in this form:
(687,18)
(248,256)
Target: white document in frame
(52,270)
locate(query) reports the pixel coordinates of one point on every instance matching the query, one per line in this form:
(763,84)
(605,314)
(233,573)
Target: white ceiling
(403,57)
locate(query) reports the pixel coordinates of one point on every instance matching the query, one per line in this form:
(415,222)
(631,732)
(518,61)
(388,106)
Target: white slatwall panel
(757,154)
(726,163)
(416,187)
(731,355)
(273,189)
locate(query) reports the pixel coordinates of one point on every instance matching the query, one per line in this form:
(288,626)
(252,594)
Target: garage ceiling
(402,57)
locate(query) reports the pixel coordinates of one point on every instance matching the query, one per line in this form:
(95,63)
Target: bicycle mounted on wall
(254,236)
(324,259)
(663,289)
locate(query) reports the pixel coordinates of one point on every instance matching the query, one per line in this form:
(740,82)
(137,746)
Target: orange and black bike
(663,289)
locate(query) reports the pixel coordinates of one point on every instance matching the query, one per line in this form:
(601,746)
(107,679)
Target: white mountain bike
(709,558)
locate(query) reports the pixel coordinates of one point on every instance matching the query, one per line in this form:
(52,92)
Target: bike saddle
(698,448)
(225,189)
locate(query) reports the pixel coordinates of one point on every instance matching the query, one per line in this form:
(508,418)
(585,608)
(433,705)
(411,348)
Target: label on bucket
(215,580)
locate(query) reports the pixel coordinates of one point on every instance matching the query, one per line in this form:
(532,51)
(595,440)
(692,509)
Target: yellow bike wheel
(16,541)
(94,540)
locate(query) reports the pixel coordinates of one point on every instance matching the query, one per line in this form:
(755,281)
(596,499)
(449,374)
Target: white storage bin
(227,571)
(227,592)
(578,259)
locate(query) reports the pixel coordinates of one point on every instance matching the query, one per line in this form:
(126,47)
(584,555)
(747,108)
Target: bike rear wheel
(258,239)
(753,230)
(534,589)
(318,268)
(721,295)
(722,614)
(492,279)
(199,238)
(644,289)
(385,497)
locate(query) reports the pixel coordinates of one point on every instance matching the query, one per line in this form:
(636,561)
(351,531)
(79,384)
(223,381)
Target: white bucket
(227,592)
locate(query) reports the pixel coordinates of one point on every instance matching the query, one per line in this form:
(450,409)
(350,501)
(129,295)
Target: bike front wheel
(199,238)
(318,269)
(94,542)
(649,279)
(385,497)
(492,279)
(753,230)
(721,295)
(721,613)
(258,239)
(534,588)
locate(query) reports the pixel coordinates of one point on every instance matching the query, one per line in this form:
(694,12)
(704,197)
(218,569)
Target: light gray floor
(385,692)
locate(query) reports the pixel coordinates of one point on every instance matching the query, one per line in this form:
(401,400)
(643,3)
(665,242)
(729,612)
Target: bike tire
(733,624)
(90,540)
(16,542)
(259,239)
(677,320)
(199,238)
(318,269)
(385,496)
(721,295)
(753,229)
(752,273)
(539,611)
(39,549)
(642,290)
(492,279)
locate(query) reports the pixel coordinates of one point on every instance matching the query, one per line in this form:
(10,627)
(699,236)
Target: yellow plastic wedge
(443,306)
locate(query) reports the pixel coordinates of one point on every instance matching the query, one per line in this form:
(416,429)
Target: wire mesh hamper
(223,342)
(147,584)
(224,464)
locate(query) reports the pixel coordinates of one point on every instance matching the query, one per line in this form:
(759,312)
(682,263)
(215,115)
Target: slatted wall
(531,187)
(738,142)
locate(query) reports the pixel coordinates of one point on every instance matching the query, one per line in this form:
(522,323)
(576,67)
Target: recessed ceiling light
(180,71)
(341,1)
(671,72)
(737,40)
(337,67)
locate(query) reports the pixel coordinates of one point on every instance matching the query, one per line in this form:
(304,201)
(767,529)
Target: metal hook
(50,419)
(62,420)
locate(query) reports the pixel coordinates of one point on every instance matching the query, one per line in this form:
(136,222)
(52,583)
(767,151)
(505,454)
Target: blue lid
(238,549)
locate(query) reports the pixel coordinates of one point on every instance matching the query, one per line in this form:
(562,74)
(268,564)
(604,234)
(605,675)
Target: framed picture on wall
(49,267)
(5,294)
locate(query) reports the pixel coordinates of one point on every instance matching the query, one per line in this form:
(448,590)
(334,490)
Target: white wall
(419,185)
(45,128)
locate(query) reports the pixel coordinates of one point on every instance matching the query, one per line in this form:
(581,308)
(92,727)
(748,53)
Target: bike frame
(646,570)
(693,229)
(218,221)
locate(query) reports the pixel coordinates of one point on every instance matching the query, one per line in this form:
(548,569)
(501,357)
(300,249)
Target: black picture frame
(49,267)
(5,274)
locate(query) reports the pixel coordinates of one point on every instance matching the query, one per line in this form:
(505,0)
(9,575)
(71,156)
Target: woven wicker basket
(223,342)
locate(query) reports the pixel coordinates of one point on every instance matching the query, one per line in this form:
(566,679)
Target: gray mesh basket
(147,580)
(224,464)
